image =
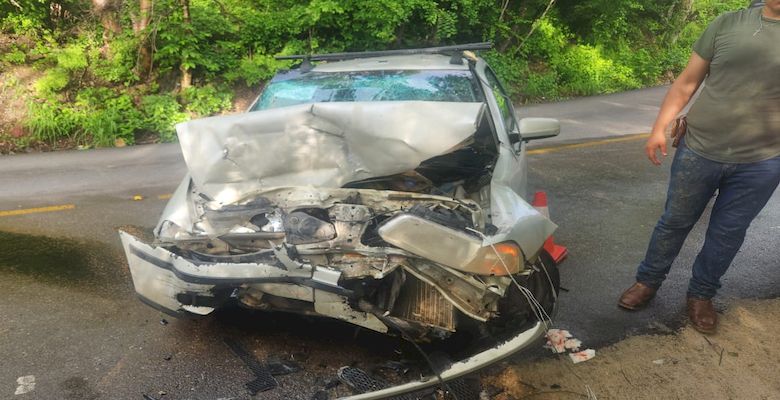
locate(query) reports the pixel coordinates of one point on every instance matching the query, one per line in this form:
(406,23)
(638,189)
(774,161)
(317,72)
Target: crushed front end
(399,217)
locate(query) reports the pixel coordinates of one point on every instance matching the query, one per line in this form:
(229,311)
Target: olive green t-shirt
(736,118)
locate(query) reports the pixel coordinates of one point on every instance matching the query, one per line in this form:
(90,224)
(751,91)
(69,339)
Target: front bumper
(161,277)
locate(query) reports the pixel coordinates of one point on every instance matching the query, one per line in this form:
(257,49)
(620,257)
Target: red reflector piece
(557,252)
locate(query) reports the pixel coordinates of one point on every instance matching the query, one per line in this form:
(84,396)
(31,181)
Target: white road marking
(26,384)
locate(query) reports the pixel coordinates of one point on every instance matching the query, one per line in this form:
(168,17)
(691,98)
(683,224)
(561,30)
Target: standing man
(732,146)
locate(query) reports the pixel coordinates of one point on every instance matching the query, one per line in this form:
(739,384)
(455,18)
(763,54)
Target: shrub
(584,70)
(47,122)
(54,80)
(160,113)
(206,100)
(119,64)
(116,118)
(72,57)
(253,70)
(542,86)
(14,56)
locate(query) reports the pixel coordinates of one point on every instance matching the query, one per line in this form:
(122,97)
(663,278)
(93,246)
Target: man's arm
(676,99)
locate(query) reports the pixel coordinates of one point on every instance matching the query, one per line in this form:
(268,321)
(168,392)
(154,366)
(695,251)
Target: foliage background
(114,72)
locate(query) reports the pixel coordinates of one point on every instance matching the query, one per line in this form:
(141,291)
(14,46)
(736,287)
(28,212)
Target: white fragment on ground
(581,356)
(26,384)
(573,344)
(556,340)
(659,361)
(561,341)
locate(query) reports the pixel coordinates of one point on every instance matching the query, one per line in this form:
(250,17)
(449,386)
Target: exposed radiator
(421,302)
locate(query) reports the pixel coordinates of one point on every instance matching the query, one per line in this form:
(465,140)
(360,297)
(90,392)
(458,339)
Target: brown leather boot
(702,314)
(636,297)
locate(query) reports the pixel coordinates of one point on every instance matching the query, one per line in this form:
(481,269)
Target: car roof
(392,62)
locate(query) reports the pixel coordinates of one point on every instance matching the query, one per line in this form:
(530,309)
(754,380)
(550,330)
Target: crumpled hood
(321,144)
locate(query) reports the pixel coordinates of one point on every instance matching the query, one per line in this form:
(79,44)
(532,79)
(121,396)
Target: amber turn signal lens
(502,259)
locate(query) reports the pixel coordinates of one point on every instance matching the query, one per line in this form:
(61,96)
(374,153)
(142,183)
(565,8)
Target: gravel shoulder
(738,362)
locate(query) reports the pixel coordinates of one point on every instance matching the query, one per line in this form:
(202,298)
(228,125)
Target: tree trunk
(108,12)
(186,74)
(140,23)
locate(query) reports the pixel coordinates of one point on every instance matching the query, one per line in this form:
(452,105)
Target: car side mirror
(539,128)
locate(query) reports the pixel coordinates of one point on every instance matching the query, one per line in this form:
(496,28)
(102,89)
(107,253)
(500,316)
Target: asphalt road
(69,317)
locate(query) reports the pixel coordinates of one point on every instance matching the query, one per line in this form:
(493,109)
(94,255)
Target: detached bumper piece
(360,381)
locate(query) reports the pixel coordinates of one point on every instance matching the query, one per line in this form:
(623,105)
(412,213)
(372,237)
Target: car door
(512,166)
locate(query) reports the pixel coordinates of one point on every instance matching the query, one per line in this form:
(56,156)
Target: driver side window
(503,101)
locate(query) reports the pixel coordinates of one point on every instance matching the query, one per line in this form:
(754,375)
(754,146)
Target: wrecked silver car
(386,190)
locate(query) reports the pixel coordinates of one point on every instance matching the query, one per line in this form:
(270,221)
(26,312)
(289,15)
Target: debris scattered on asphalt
(556,340)
(301,356)
(581,356)
(320,395)
(463,388)
(277,367)
(163,321)
(359,380)
(26,384)
(263,379)
(400,367)
(331,383)
(147,397)
(561,341)
(167,357)
(659,361)
(573,344)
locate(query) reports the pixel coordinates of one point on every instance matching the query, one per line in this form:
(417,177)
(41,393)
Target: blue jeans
(743,190)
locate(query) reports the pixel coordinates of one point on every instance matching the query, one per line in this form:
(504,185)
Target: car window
(394,85)
(503,100)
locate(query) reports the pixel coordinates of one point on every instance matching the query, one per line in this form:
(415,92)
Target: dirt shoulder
(738,362)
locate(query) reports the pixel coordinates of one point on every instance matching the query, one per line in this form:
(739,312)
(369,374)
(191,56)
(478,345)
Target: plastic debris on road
(561,341)
(26,384)
(581,356)
(556,340)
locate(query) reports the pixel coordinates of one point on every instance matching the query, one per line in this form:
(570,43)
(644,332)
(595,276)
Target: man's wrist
(658,133)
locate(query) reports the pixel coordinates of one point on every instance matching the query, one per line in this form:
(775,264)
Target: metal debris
(276,367)
(263,379)
(359,380)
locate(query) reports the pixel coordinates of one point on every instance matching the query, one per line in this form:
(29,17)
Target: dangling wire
(536,307)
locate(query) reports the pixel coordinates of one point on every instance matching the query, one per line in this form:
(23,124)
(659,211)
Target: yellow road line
(25,211)
(544,150)
(553,149)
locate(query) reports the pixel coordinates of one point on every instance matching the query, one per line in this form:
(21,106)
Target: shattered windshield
(393,85)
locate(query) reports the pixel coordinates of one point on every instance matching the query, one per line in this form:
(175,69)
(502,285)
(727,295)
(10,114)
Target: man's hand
(656,142)
(678,96)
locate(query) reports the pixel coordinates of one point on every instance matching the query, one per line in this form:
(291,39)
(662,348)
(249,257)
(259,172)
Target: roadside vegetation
(98,73)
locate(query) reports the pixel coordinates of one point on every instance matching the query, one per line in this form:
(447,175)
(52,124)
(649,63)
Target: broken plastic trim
(462,368)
